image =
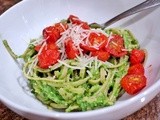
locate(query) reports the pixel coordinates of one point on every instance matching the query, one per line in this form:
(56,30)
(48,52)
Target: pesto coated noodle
(78,80)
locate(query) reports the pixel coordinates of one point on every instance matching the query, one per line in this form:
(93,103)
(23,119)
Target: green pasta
(71,87)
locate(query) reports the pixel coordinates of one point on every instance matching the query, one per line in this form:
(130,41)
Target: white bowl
(27,19)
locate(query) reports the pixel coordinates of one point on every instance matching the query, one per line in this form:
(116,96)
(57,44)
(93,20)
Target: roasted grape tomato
(85,25)
(48,57)
(47,46)
(70,48)
(116,46)
(61,27)
(133,83)
(101,55)
(75,20)
(94,42)
(137,56)
(136,69)
(53,33)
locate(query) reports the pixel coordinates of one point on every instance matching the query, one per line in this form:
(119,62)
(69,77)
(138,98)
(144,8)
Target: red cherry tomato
(116,46)
(53,33)
(48,57)
(101,55)
(47,46)
(61,27)
(95,42)
(137,56)
(75,20)
(136,69)
(85,25)
(133,83)
(70,49)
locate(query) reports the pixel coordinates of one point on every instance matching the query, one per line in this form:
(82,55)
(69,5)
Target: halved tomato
(61,27)
(70,48)
(47,46)
(136,69)
(53,33)
(137,56)
(94,42)
(101,55)
(48,57)
(133,83)
(116,46)
(75,20)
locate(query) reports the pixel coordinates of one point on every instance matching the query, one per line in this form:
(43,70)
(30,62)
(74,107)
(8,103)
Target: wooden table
(150,112)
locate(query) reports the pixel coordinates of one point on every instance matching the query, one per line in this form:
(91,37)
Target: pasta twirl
(82,73)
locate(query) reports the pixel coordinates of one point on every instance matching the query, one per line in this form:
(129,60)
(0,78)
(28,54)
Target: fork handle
(140,7)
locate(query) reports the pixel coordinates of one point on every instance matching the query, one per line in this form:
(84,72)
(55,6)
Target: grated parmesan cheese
(79,36)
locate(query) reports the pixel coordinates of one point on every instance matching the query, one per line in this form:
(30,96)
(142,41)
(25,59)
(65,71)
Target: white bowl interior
(26,21)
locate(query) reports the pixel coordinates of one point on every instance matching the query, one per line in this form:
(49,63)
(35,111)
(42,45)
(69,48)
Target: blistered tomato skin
(53,33)
(101,55)
(133,83)
(48,57)
(95,42)
(47,46)
(61,27)
(116,46)
(137,56)
(70,48)
(136,69)
(75,20)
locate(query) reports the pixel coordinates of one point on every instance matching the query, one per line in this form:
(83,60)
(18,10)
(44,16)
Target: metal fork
(138,8)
